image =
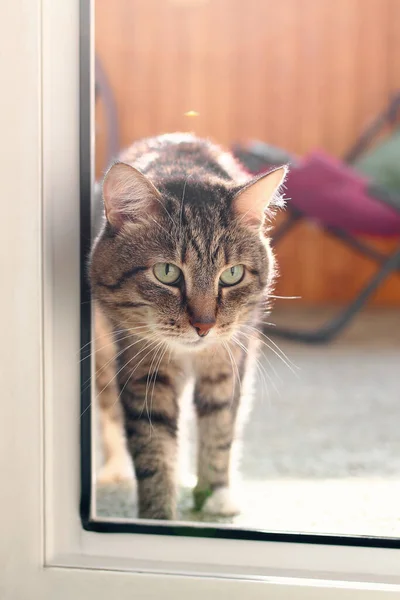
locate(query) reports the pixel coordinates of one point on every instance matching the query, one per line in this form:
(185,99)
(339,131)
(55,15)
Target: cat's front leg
(151,424)
(216,397)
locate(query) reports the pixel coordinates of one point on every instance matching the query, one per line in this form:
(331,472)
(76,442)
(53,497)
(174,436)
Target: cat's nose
(202,328)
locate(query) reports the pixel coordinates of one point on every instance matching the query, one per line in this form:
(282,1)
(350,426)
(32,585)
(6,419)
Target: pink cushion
(326,190)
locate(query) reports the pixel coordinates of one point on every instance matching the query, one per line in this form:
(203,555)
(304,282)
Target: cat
(179,274)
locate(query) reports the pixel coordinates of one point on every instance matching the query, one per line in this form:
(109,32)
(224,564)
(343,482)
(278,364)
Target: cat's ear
(251,201)
(128,195)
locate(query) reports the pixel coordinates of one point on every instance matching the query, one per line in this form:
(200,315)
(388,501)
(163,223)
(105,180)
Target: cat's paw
(115,471)
(221,503)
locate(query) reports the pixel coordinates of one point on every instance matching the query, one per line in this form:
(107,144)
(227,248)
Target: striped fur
(188,214)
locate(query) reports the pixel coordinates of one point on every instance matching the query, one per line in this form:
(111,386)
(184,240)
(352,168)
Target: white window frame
(44,552)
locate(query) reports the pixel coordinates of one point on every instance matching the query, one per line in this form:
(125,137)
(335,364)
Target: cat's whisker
(129,377)
(259,332)
(115,356)
(263,373)
(236,367)
(258,321)
(246,351)
(149,379)
(152,377)
(251,337)
(225,345)
(154,347)
(163,351)
(280,350)
(95,339)
(282,356)
(255,336)
(236,371)
(113,343)
(107,334)
(118,372)
(283,297)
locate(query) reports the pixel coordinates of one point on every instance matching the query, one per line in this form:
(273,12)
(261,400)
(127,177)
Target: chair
(344,203)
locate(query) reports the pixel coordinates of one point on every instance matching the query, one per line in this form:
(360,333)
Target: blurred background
(309,77)
(298,74)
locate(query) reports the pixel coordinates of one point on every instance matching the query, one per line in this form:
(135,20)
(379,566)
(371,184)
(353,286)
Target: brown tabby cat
(180,270)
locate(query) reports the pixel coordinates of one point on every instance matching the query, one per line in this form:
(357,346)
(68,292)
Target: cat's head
(186,262)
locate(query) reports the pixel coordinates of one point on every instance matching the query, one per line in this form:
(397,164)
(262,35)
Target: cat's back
(176,155)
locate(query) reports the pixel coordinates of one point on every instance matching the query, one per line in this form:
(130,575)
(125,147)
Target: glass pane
(224,393)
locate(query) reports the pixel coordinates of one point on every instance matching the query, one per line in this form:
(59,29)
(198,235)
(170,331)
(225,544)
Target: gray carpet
(321,448)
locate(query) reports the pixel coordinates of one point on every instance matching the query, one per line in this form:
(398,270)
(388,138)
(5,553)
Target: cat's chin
(183,345)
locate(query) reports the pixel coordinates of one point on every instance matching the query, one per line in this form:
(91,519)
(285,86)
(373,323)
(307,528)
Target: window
(321,439)
(41,425)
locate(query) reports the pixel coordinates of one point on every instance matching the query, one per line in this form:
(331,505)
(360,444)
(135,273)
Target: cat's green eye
(167,273)
(232,276)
